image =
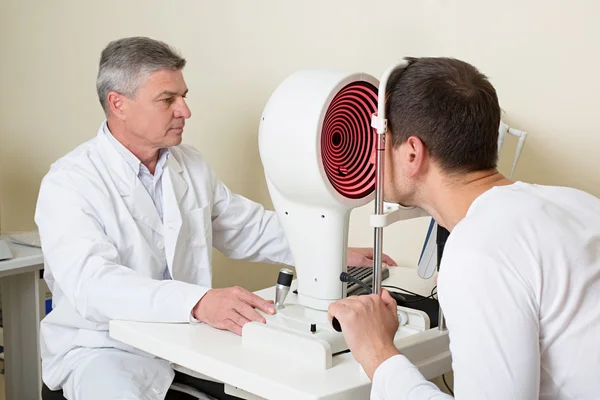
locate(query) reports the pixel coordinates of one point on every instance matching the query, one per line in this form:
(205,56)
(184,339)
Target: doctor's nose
(182,110)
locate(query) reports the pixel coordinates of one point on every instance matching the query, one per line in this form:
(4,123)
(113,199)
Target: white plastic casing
(313,214)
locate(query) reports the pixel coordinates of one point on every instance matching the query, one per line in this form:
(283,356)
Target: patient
(519,283)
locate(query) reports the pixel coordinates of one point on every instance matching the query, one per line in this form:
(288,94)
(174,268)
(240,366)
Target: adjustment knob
(284,281)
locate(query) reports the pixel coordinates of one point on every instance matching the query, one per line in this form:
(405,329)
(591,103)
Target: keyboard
(5,253)
(31,239)
(364,274)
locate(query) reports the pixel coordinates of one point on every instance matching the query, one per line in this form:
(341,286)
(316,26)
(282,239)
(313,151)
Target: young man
(520,277)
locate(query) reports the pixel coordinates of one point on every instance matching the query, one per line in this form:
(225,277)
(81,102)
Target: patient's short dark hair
(451,107)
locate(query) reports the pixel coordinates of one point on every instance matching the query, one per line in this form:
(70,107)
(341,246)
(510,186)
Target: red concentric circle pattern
(347,140)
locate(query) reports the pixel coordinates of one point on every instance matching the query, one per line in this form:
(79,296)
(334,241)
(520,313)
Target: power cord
(447,386)
(404,290)
(421,297)
(346,277)
(434,293)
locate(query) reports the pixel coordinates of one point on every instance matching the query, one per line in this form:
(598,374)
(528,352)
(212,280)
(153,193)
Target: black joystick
(336,324)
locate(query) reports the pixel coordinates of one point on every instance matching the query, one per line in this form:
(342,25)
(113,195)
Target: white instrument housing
(314,213)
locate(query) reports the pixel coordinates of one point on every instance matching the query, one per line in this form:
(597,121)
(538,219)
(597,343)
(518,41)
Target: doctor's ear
(116,104)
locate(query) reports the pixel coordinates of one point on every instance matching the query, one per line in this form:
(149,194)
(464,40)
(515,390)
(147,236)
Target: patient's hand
(231,308)
(363,257)
(369,324)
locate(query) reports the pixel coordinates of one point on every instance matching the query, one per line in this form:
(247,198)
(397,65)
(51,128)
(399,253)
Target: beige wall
(542,56)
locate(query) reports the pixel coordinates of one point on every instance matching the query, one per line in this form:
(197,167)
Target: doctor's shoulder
(78,155)
(76,167)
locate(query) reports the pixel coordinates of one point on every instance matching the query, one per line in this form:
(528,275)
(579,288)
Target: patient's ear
(415,154)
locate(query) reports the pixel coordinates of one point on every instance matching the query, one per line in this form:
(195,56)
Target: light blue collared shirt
(152,183)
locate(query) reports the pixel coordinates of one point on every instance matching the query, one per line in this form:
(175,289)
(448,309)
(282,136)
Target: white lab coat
(96,220)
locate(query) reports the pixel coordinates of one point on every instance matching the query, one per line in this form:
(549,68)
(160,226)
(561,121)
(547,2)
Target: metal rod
(378,248)
(381,127)
(441,320)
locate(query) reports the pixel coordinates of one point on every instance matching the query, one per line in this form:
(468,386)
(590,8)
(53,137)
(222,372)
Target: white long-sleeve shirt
(520,288)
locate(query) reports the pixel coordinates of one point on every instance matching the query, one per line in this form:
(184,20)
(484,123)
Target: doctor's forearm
(122,294)
(171,301)
(257,237)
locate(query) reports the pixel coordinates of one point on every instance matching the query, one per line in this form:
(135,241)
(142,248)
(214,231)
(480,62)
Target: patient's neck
(448,197)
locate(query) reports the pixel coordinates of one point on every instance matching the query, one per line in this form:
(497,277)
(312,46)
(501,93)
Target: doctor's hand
(363,257)
(231,308)
(369,324)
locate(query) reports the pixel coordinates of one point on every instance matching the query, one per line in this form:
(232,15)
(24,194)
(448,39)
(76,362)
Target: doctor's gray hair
(125,63)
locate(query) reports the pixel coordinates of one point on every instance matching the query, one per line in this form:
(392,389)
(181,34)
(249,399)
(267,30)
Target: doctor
(128,221)
(520,277)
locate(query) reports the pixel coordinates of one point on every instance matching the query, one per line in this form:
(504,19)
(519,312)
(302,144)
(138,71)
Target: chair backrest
(48,394)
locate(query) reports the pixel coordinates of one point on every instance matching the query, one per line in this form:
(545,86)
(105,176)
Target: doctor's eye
(168,100)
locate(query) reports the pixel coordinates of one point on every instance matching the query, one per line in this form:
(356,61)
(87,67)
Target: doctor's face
(156,117)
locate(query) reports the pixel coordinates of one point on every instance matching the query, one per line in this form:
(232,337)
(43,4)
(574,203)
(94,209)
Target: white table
(220,355)
(19,280)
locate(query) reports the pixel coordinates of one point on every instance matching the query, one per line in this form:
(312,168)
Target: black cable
(421,297)
(418,300)
(407,291)
(346,277)
(446,383)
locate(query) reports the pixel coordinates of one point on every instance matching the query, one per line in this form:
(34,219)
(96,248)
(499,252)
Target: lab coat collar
(177,182)
(133,192)
(174,189)
(129,157)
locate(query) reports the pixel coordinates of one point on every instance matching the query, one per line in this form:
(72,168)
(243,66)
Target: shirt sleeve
(398,378)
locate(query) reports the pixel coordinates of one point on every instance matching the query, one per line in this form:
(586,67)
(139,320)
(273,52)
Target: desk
(19,280)
(220,355)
